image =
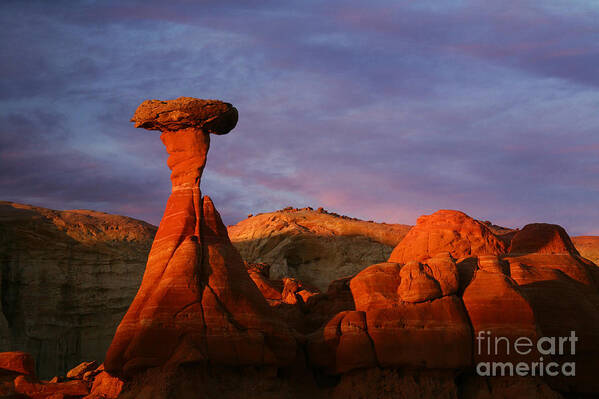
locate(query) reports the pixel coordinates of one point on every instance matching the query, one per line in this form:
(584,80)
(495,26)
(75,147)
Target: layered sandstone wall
(67,279)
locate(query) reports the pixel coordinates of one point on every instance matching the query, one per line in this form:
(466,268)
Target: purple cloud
(383,112)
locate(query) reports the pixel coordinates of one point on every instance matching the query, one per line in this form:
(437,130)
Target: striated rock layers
(314,246)
(426,309)
(67,280)
(196,303)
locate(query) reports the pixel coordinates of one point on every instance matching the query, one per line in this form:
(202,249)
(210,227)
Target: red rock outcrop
(271,290)
(320,308)
(294,291)
(38,389)
(417,283)
(563,292)
(497,308)
(413,335)
(405,316)
(376,286)
(409,313)
(196,301)
(18,382)
(422,282)
(81,369)
(18,362)
(447,231)
(542,238)
(343,344)
(384,284)
(105,386)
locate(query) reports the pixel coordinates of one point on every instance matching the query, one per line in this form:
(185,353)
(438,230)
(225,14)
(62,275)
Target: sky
(384,111)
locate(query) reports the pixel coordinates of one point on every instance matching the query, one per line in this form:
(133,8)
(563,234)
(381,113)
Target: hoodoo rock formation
(196,302)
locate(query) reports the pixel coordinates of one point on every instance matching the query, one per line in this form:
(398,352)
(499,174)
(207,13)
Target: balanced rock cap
(211,116)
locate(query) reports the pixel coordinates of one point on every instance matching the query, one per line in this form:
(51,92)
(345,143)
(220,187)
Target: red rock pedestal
(196,301)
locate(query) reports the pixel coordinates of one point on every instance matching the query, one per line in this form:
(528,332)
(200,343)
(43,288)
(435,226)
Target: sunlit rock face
(425,310)
(196,302)
(588,247)
(314,246)
(447,231)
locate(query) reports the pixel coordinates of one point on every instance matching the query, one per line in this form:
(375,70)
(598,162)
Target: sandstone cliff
(316,247)
(67,279)
(588,246)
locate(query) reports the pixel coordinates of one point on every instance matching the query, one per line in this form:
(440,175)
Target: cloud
(39,167)
(384,112)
